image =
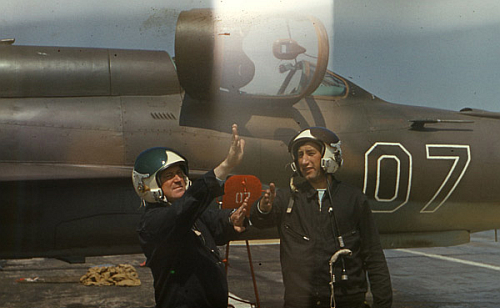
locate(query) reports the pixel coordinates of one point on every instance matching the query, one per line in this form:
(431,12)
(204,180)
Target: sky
(429,53)
(436,53)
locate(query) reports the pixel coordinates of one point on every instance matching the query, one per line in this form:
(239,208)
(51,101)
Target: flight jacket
(308,240)
(180,242)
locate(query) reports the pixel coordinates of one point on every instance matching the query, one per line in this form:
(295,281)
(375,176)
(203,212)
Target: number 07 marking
(396,177)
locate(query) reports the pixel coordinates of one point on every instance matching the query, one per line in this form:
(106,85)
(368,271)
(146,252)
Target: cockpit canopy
(245,56)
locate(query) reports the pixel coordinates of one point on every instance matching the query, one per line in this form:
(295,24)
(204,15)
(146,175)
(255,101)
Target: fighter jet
(73,120)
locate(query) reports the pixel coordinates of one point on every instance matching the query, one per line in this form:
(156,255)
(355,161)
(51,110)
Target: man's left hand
(238,217)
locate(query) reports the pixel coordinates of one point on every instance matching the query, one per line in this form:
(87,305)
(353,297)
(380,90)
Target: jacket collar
(311,192)
(158,204)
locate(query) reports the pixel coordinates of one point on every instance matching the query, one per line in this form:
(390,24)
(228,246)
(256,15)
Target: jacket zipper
(296,233)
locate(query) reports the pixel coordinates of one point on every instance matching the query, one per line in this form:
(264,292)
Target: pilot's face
(309,160)
(172,182)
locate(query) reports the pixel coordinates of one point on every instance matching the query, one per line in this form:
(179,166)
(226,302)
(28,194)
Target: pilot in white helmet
(329,240)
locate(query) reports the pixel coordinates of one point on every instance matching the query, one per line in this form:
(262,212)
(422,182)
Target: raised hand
(238,217)
(234,157)
(266,203)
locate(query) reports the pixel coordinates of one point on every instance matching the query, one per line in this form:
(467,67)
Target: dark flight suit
(308,241)
(180,242)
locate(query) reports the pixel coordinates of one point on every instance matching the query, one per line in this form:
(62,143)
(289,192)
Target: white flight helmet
(331,153)
(147,168)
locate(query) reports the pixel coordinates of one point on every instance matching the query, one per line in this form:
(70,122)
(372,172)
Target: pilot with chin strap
(179,234)
(329,241)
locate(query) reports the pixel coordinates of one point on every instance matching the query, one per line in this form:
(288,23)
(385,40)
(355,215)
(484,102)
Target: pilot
(178,234)
(329,241)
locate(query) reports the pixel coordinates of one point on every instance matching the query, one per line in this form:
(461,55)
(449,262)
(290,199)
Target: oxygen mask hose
(332,262)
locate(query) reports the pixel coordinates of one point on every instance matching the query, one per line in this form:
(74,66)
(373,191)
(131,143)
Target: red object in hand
(237,188)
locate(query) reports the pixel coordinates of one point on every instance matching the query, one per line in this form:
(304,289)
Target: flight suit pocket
(295,234)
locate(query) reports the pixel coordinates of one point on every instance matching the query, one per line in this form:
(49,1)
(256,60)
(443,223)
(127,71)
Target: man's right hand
(266,203)
(234,157)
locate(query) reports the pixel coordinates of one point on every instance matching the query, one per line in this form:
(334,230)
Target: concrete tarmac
(464,276)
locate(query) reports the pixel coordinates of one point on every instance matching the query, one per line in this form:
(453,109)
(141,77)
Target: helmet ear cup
(187,181)
(329,165)
(146,187)
(332,157)
(294,168)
